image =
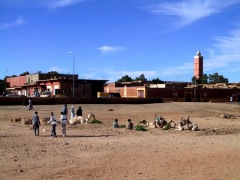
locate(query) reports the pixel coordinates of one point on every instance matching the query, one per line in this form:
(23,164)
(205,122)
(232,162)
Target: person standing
(65,109)
(53,121)
(36,123)
(79,111)
(72,112)
(238,99)
(30,105)
(64,122)
(25,104)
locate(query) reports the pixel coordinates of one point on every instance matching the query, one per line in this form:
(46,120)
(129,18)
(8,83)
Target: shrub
(140,128)
(95,122)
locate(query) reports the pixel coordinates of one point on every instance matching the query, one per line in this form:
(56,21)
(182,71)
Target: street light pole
(73,73)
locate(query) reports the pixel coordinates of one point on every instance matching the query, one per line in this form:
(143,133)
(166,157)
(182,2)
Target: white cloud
(59,69)
(177,70)
(53,4)
(225,52)
(111,49)
(117,74)
(112,74)
(223,57)
(18,22)
(64,3)
(190,11)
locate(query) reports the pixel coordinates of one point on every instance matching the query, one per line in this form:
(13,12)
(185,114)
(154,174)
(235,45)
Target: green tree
(141,78)
(24,73)
(2,86)
(216,78)
(195,80)
(52,72)
(203,80)
(125,78)
(157,81)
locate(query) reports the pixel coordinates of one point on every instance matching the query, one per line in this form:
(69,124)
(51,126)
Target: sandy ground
(98,151)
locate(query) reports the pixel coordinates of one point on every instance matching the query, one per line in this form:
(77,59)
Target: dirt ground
(98,151)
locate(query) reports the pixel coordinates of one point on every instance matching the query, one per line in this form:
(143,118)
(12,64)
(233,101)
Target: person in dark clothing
(65,109)
(115,123)
(129,124)
(36,123)
(79,111)
(30,106)
(25,103)
(238,99)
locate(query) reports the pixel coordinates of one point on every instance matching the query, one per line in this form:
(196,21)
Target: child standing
(30,106)
(36,123)
(25,104)
(72,112)
(64,122)
(53,121)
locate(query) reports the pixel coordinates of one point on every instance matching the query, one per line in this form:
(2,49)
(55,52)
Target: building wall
(53,87)
(126,91)
(16,81)
(131,92)
(33,84)
(110,88)
(83,90)
(32,79)
(179,93)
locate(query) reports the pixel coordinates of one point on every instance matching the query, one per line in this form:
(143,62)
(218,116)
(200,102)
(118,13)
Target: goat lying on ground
(170,123)
(81,120)
(160,121)
(186,124)
(150,125)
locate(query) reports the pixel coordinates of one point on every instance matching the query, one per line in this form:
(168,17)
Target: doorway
(140,93)
(188,97)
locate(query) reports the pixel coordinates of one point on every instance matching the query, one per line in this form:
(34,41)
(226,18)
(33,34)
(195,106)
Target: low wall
(45,101)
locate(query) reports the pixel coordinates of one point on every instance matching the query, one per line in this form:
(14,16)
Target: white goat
(187,125)
(81,120)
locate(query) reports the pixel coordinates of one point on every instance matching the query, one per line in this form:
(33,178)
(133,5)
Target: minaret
(198,65)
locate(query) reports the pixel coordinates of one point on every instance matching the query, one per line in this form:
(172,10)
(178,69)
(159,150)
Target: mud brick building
(58,84)
(62,85)
(178,91)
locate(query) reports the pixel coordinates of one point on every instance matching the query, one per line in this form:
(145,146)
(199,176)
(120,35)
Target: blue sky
(112,38)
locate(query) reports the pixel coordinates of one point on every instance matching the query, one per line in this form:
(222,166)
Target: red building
(58,84)
(172,91)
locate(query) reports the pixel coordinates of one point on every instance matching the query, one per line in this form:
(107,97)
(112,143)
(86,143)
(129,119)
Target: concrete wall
(49,101)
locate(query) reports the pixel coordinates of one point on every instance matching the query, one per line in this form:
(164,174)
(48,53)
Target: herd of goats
(159,122)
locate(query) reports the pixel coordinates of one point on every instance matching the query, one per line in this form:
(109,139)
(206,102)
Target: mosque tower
(198,65)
